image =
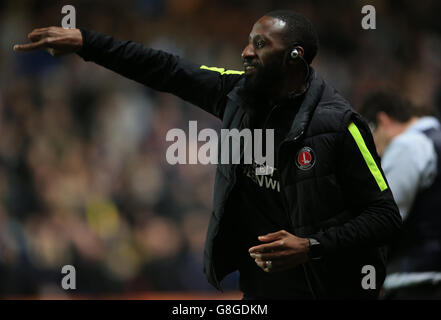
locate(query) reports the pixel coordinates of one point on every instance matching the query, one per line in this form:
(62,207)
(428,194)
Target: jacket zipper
(278,152)
(284,196)
(269,116)
(281,184)
(308,281)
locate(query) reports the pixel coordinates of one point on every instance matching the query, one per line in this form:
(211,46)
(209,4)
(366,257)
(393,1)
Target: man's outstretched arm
(203,86)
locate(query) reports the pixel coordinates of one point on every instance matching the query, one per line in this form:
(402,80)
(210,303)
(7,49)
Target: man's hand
(55,40)
(281,251)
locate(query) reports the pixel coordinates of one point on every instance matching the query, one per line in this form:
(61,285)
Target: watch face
(315,249)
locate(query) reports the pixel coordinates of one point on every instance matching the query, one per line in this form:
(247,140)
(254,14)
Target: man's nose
(248,52)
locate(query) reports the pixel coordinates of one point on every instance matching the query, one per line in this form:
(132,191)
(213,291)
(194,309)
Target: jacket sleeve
(375,218)
(205,87)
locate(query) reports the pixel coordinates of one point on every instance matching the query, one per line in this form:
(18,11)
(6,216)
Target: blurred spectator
(410,145)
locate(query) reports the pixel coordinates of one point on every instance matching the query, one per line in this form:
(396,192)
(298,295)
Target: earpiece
(294,53)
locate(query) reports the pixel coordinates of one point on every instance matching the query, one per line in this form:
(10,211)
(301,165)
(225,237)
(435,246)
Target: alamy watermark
(231,150)
(69,20)
(69,281)
(369,281)
(369,21)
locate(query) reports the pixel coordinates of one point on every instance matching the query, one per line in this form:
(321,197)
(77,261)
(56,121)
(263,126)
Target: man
(410,145)
(324,211)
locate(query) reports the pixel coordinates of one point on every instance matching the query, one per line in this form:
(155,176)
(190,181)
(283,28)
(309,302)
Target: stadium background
(83,175)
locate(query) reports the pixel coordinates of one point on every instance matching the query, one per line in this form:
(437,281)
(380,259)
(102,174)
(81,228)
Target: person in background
(409,142)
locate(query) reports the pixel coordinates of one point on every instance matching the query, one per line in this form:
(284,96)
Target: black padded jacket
(342,199)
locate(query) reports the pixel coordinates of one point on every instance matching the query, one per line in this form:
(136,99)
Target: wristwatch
(315,249)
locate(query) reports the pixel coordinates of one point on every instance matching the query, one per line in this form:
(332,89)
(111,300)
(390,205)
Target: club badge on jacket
(305,159)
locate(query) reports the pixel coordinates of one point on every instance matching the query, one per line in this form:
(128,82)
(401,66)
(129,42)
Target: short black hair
(396,107)
(300,31)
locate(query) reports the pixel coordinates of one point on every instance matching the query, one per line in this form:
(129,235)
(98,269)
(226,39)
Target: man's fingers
(41,29)
(38,34)
(273,236)
(272,266)
(268,247)
(269,255)
(265,264)
(57,41)
(262,264)
(42,44)
(277,265)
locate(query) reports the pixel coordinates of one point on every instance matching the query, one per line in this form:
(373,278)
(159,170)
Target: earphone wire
(293,95)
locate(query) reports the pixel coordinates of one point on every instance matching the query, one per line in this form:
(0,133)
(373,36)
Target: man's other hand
(281,251)
(55,40)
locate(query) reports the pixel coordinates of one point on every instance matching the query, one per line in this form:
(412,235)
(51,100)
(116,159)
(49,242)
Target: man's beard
(263,81)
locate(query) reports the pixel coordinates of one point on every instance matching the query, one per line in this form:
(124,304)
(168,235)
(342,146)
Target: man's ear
(295,53)
(383,119)
(300,50)
(294,57)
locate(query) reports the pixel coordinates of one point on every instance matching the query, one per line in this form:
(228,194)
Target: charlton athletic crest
(305,158)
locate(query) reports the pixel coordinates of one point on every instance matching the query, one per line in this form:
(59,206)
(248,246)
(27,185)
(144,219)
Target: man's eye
(260,44)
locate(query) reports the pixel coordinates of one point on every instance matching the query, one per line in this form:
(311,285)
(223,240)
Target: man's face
(264,56)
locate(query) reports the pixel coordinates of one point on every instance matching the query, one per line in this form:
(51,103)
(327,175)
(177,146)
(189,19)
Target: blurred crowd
(83,174)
